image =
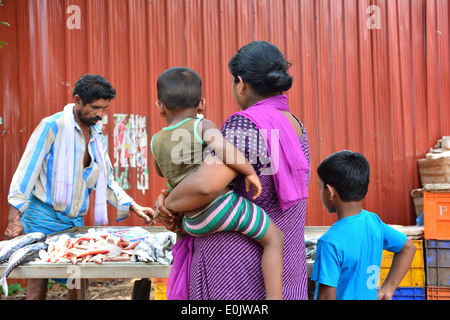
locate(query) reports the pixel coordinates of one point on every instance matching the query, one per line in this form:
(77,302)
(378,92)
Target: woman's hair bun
(262,65)
(278,80)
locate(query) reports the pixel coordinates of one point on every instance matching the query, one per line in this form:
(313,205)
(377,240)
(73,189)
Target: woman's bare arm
(201,186)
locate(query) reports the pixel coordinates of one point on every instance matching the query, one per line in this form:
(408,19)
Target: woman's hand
(168,219)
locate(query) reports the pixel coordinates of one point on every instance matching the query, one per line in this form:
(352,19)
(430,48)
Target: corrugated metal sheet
(383,92)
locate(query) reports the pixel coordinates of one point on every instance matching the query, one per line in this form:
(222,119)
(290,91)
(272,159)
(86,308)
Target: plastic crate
(436,215)
(438,262)
(438,293)
(409,294)
(160,285)
(416,273)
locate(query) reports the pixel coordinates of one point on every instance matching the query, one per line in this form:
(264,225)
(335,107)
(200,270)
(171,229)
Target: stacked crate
(435,177)
(437,244)
(412,287)
(160,287)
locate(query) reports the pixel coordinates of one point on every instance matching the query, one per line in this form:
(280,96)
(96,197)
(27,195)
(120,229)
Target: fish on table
(103,245)
(23,255)
(7,248)
(155,249)
(97,245)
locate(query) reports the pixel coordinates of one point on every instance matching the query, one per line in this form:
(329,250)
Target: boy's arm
(400,266)
(327,269)
(326,292)
(230,155)
(224,150)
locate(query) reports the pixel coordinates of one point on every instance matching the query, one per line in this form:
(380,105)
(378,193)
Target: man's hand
(145,213)
(14,228)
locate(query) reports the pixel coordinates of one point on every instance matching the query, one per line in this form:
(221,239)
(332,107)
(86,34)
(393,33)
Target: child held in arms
(178,150)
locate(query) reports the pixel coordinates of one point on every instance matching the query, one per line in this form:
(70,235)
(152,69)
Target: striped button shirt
(37,170)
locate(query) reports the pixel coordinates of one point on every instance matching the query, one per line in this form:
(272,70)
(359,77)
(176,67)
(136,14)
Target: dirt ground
(99,289)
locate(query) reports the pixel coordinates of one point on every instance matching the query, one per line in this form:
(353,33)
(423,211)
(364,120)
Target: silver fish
(167,244)
(15,244)
(140,253)
(310,243)
(53,239)
(163,250)
(167,259)
(310,253)
(148,248)
(152,252)
(155,249)
(21,256)
(2,244)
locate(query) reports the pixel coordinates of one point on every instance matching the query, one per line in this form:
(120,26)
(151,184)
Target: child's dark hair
(262,65)
(91,87)
(348,172)
(179,88)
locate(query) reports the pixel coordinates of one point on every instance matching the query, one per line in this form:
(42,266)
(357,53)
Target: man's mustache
(95,119)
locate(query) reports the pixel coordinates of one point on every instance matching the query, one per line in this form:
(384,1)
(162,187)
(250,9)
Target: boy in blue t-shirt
(348,257)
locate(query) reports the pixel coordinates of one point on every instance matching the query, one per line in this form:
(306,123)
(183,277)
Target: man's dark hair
(179,88)
(348,172)
(91,87)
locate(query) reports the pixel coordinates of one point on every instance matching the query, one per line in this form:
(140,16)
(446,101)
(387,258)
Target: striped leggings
(230,212)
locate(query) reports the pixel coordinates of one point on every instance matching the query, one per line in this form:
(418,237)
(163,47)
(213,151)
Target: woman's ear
(241,86)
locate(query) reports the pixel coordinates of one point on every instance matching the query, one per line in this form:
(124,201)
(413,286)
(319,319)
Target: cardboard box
(434,170)
(417,197)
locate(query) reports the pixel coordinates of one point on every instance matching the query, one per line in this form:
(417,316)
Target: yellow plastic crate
(416,274)
(160,285)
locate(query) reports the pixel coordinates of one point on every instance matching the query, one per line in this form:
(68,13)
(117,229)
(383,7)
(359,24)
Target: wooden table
(113,270)
(39,269)
(92,270)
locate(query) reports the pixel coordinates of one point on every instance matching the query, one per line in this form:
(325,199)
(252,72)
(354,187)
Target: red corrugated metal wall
(383,92)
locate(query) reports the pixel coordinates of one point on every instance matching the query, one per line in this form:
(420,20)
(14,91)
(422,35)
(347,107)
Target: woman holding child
(226,265)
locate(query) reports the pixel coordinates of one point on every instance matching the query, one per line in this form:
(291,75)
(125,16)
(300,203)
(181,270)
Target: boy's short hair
(91,87)
(179,88)
(348,172)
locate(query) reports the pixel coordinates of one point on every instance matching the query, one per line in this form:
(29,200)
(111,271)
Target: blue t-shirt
(349,254)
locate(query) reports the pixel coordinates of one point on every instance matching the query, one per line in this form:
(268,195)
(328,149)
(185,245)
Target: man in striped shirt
(32,192)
